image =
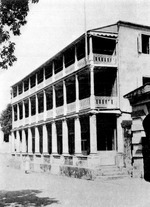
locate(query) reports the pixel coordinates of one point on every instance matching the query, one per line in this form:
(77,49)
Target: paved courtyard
(36,189)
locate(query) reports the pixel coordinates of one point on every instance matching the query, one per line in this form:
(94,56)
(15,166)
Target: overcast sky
(52,24)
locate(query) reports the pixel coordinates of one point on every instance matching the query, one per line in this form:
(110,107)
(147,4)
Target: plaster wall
(132,65)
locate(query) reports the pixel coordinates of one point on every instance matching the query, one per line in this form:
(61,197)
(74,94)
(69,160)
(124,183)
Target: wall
(132,64)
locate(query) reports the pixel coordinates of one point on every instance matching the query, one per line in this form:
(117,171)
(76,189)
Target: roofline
(119,23)
(103,27)
(125,96)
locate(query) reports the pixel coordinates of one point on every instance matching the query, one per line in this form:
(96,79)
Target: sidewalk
(37,189)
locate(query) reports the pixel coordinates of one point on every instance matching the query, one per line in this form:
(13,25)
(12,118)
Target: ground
(18,189)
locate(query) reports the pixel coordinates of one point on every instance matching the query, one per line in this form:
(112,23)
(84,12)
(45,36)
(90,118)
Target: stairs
(109,172)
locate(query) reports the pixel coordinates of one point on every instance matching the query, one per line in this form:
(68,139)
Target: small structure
(140,102)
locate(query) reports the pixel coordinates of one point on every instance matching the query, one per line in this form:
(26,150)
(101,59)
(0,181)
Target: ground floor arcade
(82,135)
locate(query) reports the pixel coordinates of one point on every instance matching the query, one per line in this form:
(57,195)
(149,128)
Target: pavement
(18,189)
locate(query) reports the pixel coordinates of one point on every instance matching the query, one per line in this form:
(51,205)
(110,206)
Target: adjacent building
(71,111)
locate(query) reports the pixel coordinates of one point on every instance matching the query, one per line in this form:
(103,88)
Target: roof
(138,91)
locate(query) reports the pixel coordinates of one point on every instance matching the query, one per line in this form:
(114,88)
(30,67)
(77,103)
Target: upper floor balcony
(98,50)
(95,89)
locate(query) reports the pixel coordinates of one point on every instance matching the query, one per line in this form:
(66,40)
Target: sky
(53,24)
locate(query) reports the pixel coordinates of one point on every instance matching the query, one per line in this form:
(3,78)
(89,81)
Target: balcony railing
(106,101)
(104,59)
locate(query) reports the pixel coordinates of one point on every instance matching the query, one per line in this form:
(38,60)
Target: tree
(13,15)
(6,119)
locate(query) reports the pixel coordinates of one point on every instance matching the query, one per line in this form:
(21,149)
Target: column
(23,112)
(91,50)
(36,103)
(12,142)
(76,61)
(65,98)
(24,141)
(45,140)
(44,99)
(54,102)
(17,112)
(92,97)
(54,139)
(120,140)
(13,116)
(37,141)
(18,142)
(93,134)
(29,110)
(65,136)
(77,136)
(29,140)
(77,93)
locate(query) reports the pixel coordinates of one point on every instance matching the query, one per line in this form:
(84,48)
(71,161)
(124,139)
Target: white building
(71,110)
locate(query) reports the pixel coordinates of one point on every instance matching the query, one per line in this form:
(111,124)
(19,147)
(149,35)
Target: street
(37,189)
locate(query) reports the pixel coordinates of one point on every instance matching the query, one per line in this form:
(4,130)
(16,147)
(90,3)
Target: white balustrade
(106,102)
(104,59)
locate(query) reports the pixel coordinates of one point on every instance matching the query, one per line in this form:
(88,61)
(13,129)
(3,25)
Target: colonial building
(71,111)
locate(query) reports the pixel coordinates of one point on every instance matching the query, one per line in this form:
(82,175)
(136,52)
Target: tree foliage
(6,119)
(13,15)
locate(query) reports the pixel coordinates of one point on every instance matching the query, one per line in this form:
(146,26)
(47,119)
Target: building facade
(71,110)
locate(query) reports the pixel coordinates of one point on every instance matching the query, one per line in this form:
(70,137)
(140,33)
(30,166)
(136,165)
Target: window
(144,44)
(146,80)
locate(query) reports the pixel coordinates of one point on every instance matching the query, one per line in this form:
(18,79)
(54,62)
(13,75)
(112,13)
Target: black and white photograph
(74,103)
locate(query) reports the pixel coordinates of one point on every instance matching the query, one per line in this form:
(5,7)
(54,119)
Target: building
(71,111)
(140,102)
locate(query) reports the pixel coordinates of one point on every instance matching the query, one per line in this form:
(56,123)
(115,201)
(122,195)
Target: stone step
(111,177)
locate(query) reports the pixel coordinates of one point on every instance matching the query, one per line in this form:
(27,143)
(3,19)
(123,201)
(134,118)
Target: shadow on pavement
(25,198)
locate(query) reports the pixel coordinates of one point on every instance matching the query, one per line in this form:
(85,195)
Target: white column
(12,142)
(91,51)
(93,134)
(54,102)
(18,142)
(13,115)
(77,136)
(17,112)
(23,112)
(76,61)
(36,103)
(77,93)
(37,141)
(29,110)
(65,98)
(92,97)
(29,140)
(24,141)
(120,140)
(54,139)
(44,99)
(65,136)
(45,140)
